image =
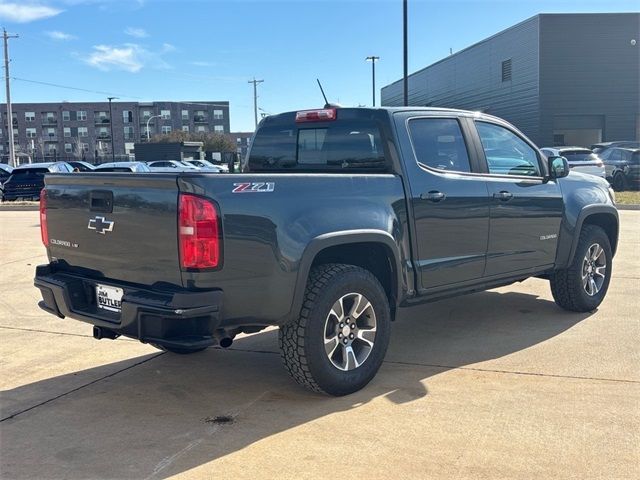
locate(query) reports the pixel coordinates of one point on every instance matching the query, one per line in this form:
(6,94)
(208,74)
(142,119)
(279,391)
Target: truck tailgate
(116,226)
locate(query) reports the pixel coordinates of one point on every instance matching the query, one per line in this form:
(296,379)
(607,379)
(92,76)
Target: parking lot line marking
(57,333)
(79,388)
(516,372)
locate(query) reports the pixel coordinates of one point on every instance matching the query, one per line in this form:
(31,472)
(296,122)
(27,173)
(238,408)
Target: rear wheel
(339,341)
(583,286)
(619,182)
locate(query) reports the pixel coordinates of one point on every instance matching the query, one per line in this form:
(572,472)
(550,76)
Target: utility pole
(255,98)
(405,77)
(113,140)
(12,153)
(373,75)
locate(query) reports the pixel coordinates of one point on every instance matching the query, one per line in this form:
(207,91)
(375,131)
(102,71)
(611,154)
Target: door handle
(433,196)
(503,196)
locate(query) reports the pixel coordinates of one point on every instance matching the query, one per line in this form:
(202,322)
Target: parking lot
(499,384)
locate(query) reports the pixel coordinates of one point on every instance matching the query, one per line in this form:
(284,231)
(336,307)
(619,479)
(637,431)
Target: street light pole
(405,77)
(373,75)
(113,140)
(149,120)
(12,153)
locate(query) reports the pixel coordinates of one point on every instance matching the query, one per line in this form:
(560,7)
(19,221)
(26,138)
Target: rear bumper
(171,319)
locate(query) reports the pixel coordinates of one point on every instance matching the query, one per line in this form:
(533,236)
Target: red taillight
(323,115)
(198,233)
(44,233)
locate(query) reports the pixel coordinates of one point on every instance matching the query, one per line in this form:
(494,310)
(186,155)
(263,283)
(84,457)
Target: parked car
(341,217)
(5,173)
(207,165)
(580,159)
(601,147)
(623,167)
(81,166)
(26,181)
(134,167)
(170,166)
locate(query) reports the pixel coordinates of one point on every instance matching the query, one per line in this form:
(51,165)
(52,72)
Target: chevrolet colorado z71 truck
(339,217)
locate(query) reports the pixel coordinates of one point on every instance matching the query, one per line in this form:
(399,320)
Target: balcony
(49,121)
(200,119)
(103,136)
(102,121)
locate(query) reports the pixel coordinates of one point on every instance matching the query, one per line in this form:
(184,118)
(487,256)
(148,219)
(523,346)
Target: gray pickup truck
(340,217)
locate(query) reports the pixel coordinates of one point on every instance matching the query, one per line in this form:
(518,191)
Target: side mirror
(558,167)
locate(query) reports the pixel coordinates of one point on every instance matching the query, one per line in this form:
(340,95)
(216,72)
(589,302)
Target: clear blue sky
(207,50)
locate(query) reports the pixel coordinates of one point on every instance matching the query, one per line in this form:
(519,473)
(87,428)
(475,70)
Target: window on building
(146,132)
(201,128)
(128,133)
(83,132)
(50,132)
(166,129)
(30,116)
(83,147)
(66,131)
(127,116)
(185,128)
(81,115)
(31,132)
(185,114)
(145,115)
(66,116)
(217,115)
(506,153)
(165,114)
(50,148)
(238,140)
(200,116)
(101,117)
(103,132)
(49,117)
(218,129)
(506,70)
(68,148)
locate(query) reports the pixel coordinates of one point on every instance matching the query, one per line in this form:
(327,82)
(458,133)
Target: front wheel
(583,286)
(339,341)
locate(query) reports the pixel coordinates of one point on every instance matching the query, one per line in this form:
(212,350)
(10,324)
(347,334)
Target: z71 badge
(255,187)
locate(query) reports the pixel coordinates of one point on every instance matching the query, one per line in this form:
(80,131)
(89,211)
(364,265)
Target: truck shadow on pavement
(170,413)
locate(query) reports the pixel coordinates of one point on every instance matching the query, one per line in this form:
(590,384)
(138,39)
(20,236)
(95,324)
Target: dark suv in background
(622,167)
(26,181)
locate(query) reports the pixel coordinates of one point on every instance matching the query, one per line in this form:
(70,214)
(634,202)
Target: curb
(628,207)
(19,208)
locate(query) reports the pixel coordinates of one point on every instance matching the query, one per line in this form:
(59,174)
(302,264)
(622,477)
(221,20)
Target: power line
(210,104)
(71,88)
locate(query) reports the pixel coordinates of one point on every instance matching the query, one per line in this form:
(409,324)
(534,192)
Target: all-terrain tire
(567,284)
(302,342)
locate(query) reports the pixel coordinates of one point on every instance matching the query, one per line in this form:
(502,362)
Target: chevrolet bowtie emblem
(100,225)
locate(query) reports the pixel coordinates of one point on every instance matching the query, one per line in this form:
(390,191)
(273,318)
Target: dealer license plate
(109,298)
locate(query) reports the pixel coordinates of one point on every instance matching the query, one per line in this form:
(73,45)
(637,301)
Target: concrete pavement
(499,384)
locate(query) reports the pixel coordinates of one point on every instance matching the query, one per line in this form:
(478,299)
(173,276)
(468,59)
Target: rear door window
(438,143)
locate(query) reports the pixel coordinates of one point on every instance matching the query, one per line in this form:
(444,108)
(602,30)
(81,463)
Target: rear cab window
(346,144)
(580,156)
